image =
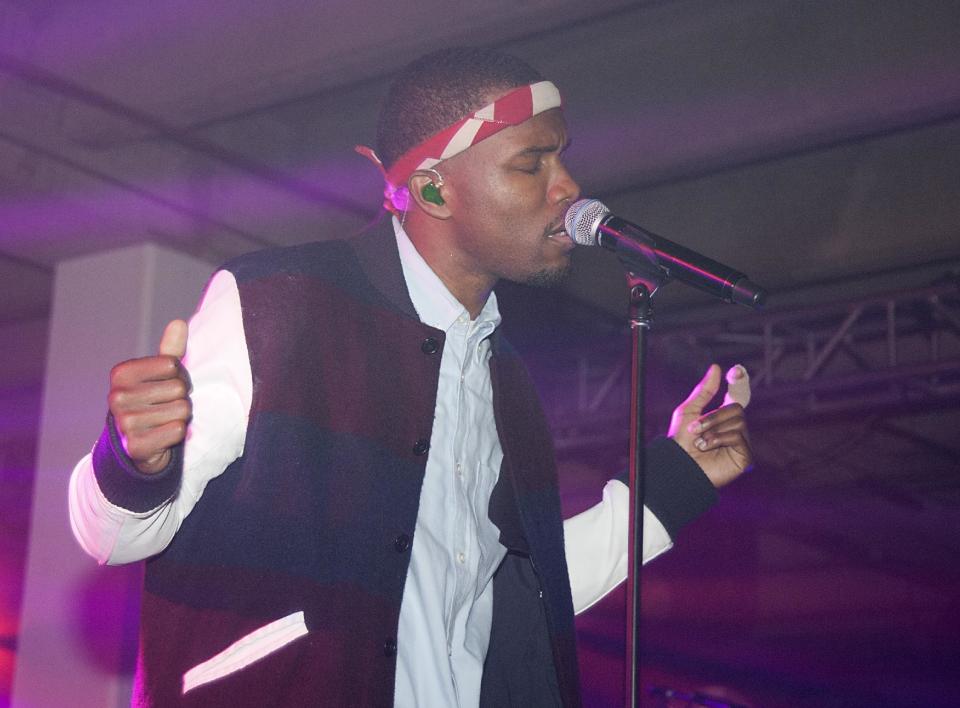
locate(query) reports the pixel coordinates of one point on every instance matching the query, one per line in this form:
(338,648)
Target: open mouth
(560,237)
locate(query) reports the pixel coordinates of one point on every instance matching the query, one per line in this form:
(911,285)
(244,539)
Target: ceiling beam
(41,78)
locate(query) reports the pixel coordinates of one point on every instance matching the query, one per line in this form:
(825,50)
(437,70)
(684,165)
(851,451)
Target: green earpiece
(431,193)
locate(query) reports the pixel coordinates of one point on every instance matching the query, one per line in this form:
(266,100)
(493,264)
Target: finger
(154,444)
(732,411)
(134,372)
(726,426)
(142,421)
(174,339)
(733,439)
(703,392)
(122,400)
(158,392)
(738,386)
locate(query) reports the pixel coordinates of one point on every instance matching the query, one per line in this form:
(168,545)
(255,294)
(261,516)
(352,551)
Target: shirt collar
(434,303)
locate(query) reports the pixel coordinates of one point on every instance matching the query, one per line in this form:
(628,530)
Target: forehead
(542,130)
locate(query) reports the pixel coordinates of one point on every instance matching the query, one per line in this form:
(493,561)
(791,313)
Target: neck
(437,248)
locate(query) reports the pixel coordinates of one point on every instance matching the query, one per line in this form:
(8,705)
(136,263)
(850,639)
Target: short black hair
(439,89)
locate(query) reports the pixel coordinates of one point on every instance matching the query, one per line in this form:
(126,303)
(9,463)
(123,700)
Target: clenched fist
(150,403)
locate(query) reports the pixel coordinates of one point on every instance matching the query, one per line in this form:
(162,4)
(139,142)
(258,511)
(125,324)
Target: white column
(78,626)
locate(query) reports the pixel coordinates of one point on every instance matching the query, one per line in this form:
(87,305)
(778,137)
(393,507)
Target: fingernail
(700,443)
(695,427)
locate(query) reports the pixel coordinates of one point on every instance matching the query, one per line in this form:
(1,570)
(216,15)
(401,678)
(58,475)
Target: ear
(420,179)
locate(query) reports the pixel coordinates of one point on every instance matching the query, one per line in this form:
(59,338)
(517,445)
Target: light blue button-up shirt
(447,607)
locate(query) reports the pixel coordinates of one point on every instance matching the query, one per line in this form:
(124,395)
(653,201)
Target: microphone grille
(582,219)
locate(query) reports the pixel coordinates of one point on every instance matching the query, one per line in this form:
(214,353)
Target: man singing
(340,476)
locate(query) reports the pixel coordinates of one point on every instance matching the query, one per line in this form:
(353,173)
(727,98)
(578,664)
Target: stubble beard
(549,277)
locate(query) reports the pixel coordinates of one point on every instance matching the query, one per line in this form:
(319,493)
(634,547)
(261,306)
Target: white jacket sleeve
(676,491)
(219,367)
(596,545)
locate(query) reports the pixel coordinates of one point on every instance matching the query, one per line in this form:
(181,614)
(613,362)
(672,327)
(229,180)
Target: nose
(564,187)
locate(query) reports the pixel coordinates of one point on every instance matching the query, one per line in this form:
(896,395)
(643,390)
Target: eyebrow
(540,149)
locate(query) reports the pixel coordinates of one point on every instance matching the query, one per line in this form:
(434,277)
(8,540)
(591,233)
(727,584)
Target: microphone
(590,223)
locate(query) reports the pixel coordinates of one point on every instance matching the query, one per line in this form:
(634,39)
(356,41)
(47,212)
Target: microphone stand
(590,223)
(641,295)
(647,270)
(644,281)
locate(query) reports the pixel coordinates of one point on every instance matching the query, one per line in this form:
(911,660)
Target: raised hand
(717,440)
(149,400)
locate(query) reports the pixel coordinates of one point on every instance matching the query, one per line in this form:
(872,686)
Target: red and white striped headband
(512,108)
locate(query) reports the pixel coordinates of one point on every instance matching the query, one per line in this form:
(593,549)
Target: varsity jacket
(314,520)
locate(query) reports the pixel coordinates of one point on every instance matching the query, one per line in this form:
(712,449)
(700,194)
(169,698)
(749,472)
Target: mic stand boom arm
(642,251)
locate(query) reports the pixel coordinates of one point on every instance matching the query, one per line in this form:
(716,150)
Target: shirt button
(421,446)
(390,647)
(461,558)
(401,543)
(430,346)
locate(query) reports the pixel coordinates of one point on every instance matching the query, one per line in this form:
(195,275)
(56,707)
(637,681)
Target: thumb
(174,339)
(738,386)
(703,392)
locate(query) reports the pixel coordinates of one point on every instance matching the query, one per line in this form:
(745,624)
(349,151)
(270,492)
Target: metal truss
(889,353)
(899,349)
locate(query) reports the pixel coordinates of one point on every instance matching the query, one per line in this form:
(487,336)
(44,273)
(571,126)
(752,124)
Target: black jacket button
(430,346)
(401,543)
(421,446)
(390,647)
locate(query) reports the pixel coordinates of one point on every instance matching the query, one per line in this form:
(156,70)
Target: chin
(548,277)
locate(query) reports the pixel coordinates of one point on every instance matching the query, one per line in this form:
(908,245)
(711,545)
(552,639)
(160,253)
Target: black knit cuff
(677,491)
(123,484)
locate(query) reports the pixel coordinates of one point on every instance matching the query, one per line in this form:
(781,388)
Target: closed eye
(530,160)
(537,153)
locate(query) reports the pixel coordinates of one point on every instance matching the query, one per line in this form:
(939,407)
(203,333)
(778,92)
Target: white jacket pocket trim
(246,650)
